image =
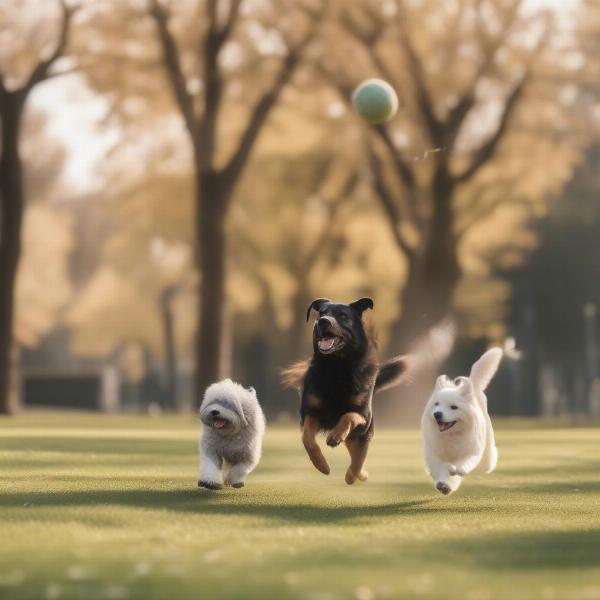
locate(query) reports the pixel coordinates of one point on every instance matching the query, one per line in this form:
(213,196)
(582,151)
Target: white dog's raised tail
(485,368)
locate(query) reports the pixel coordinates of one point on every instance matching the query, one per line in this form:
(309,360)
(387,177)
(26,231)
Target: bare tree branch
(335,204)
(388,203)
(457,115)
(172,61)
(264,105)
(367,33)
(63,72)
(369,39)
(485,210)
(215,37)
(40,72)
(487,150)
(404,168)
(232,16)
(424,100)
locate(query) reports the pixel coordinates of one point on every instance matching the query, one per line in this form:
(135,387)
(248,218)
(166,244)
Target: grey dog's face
(222,415)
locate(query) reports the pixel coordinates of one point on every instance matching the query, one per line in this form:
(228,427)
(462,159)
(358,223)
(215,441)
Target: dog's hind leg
(467,467)
(357,447)
(309,438)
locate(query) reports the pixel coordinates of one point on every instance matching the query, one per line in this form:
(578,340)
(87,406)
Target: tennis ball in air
(375,101)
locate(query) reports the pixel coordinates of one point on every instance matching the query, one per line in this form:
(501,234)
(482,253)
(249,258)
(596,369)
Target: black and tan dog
(337,385)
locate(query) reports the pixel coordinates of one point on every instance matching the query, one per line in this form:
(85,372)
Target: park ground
(107,507)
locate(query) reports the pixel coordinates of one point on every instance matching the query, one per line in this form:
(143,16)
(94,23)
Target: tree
(215,183)
(438,173)
(554,289)
(13,97)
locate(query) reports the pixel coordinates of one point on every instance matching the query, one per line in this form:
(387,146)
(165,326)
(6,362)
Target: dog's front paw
(460,471)
(443,487)
(333,440)
(209,485)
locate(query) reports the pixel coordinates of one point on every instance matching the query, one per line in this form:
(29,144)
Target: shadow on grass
(558,467)
(201,502)
(94,445)
(550,552)
(562,487)
(536,550)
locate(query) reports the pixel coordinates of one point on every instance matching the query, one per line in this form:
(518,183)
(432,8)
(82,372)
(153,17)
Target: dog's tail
(293,375)
(425,354)
(485,368)
(391,372)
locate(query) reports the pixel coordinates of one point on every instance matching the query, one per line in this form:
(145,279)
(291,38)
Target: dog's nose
(437,415)
(322,324)
(215,413)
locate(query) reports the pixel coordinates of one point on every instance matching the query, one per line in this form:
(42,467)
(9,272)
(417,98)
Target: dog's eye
(454,407)
(342,317)
(437,404)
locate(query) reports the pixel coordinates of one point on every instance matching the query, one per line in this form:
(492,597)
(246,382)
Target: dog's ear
(240,409)
(361,305)
(316,304)
(443,381)
(464,387)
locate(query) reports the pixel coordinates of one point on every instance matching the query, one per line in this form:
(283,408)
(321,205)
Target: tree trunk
(11,217)
(297,335)
(433,273)
(166,312)
(211,206)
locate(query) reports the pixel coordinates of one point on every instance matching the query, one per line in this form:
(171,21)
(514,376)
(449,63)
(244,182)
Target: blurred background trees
(26,62)
(239,185)
(481,124)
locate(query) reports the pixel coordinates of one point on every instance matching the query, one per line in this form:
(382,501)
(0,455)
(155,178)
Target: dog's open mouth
(330,344)
(219,423)
(445,426)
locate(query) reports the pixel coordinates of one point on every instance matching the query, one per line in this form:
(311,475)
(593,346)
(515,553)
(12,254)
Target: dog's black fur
(344,378)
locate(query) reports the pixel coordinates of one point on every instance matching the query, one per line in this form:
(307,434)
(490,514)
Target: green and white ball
(375,101)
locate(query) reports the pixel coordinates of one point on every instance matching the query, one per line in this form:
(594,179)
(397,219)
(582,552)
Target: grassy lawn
(107,507)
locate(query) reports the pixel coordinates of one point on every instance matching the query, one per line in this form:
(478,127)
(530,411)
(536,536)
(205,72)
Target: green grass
(107,507)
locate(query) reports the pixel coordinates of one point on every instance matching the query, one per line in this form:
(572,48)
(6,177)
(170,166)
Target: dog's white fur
(228,454)
(469,443)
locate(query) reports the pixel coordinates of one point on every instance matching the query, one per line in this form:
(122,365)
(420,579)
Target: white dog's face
(222,407)
(452,404)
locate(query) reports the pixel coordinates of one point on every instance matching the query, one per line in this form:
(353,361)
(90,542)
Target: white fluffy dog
(457,429)
(233,431)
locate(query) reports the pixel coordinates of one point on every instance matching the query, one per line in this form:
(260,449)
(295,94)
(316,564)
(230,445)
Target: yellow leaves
(111,309)
(43,285)
(244,292)
(508,225)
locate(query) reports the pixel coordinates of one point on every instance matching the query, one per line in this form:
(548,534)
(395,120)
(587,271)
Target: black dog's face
(338,328)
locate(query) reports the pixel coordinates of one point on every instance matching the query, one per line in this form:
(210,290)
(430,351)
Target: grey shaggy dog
(232,435)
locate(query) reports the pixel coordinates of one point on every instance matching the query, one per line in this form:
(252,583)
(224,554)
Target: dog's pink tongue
(219,423)
(326,343)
